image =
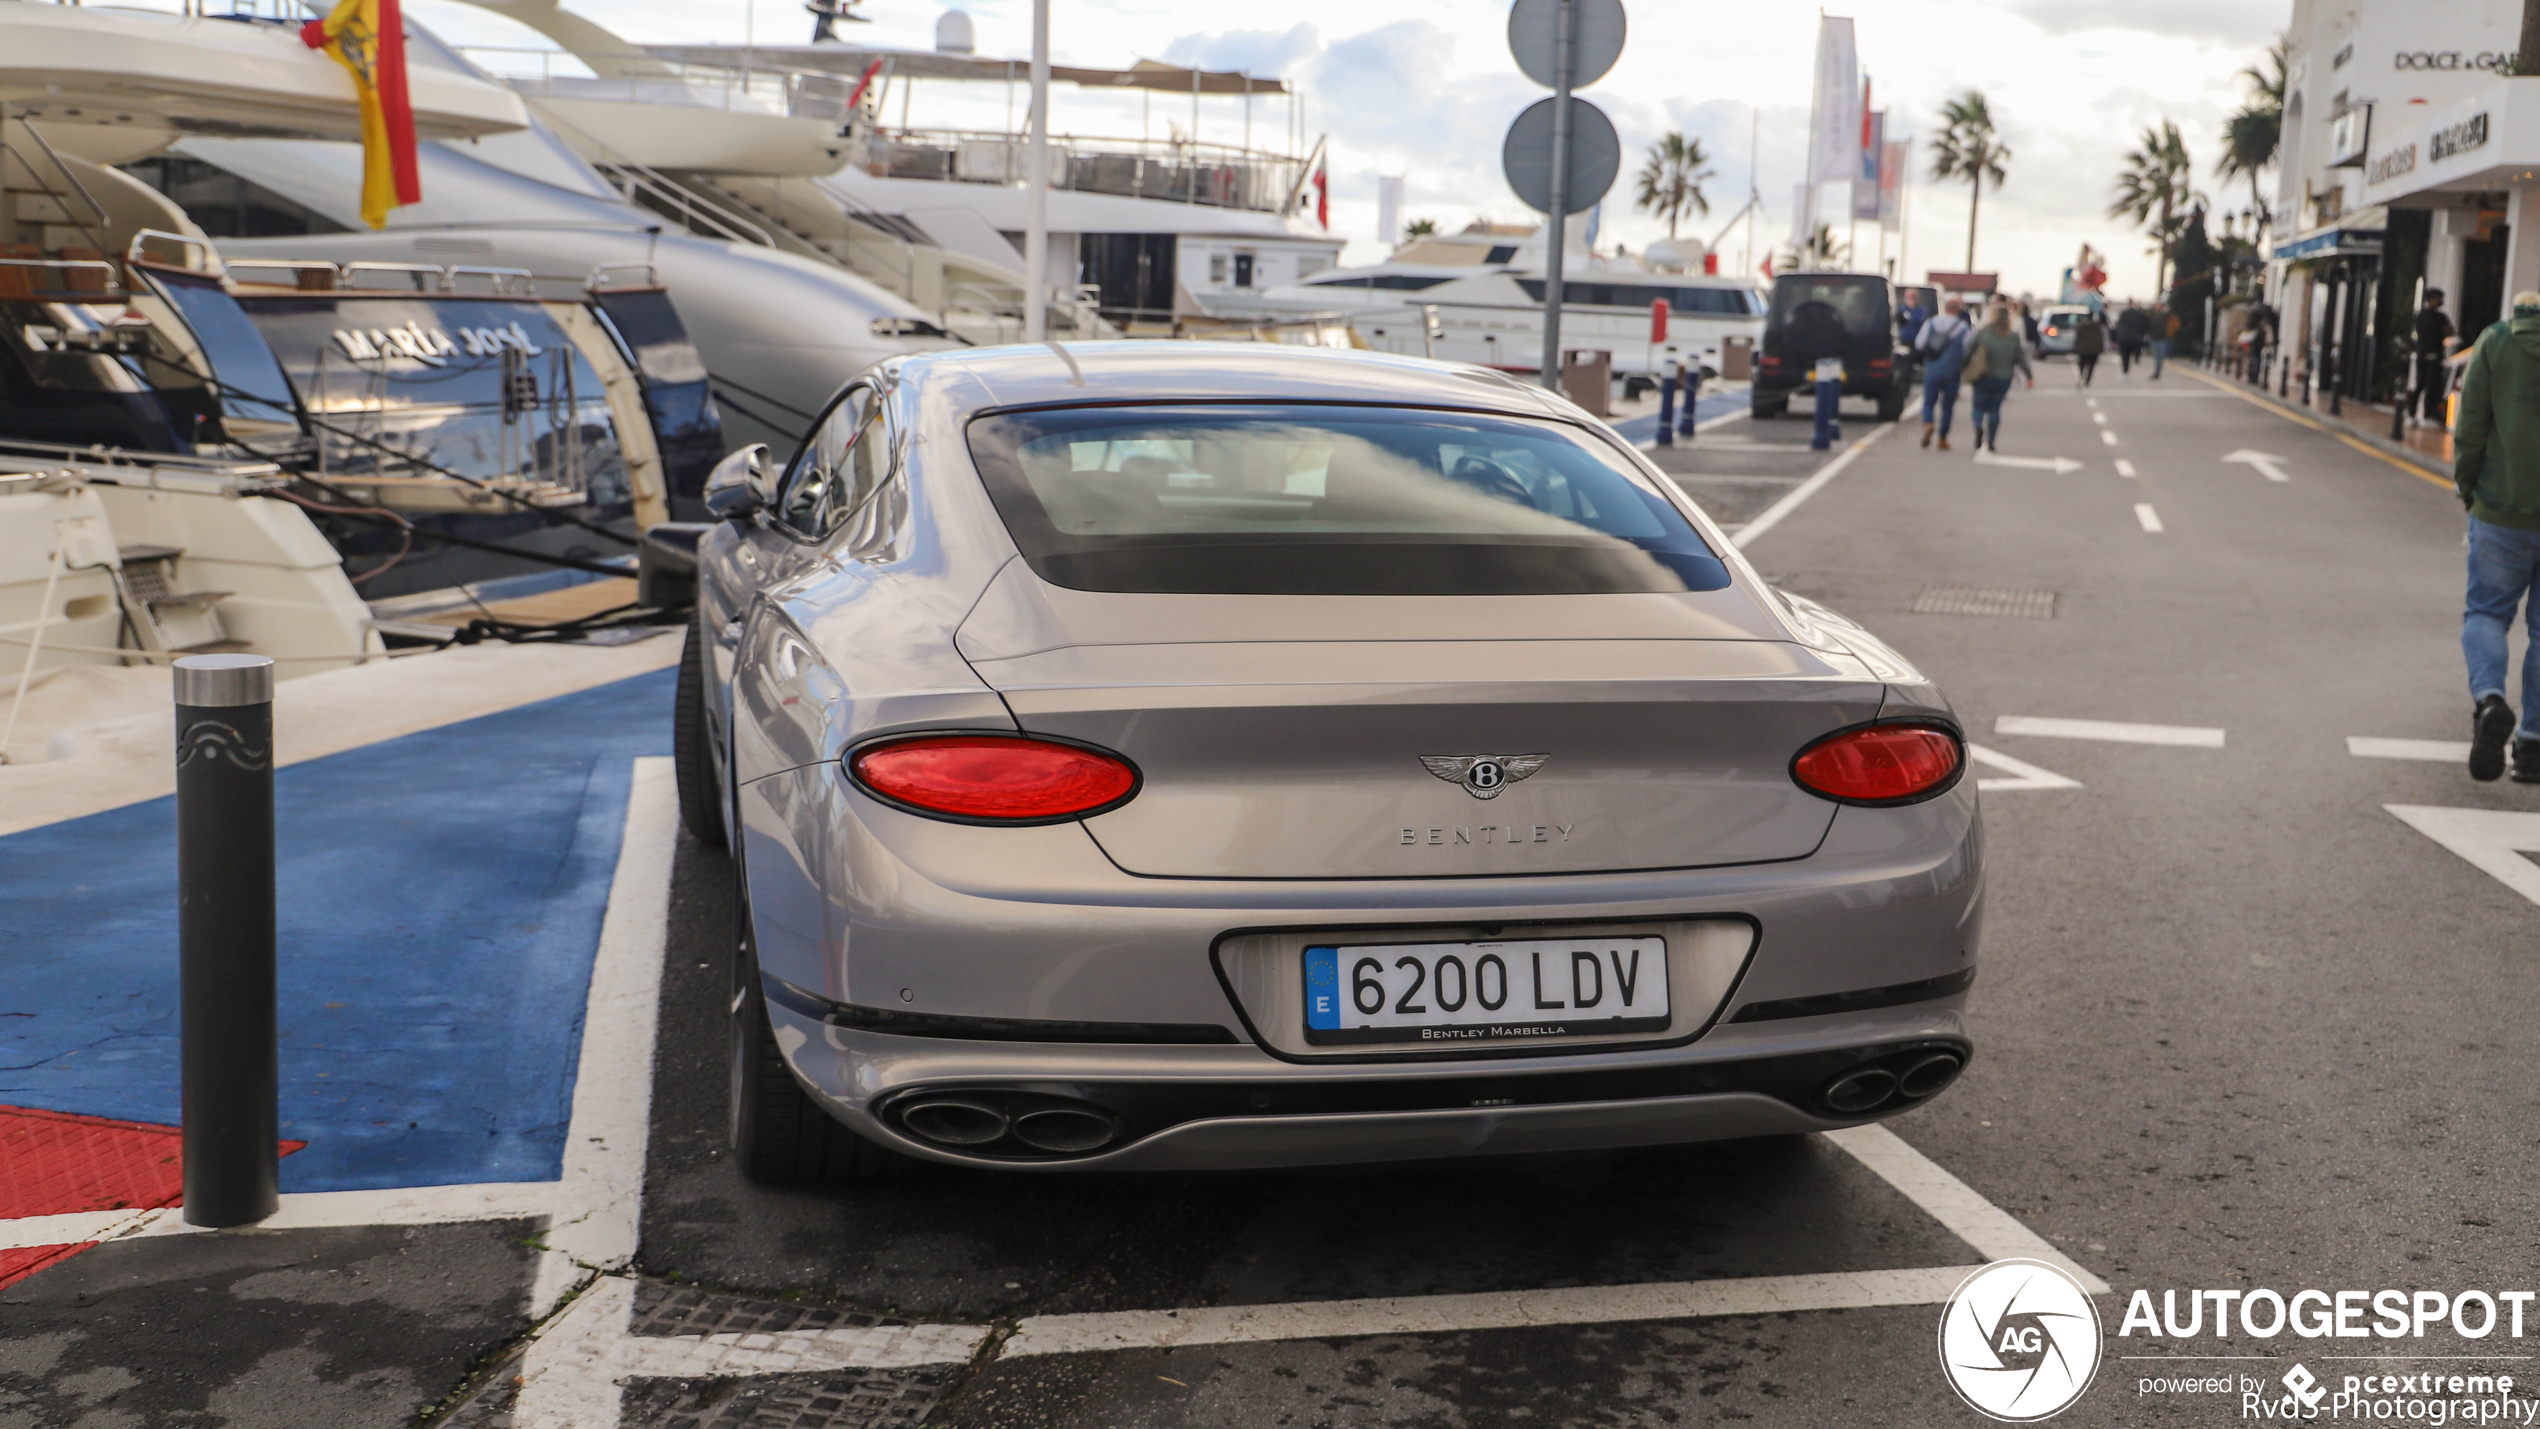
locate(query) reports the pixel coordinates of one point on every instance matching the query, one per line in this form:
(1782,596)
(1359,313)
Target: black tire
(691,762)
(1769,411)
(780,1136)
(1892,407)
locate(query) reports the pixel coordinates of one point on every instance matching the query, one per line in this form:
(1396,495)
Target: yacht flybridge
(1152,236)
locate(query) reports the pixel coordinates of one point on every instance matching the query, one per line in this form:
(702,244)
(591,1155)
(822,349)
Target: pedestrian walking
(2134,329)
(2090,338)
(2261,338)
(2164,327)
(2028,327)
(2433,343)
(2496,469)
(1910,318)
(1993,354)
(1943,346)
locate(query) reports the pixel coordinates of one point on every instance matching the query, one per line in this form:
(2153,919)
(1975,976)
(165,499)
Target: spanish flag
(368,37)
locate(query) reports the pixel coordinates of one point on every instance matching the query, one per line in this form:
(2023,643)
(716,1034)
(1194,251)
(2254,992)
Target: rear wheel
(700,804)
(780,1136)
(1767,411)
(1892,405)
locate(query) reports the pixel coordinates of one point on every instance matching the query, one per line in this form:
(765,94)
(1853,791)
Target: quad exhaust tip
(1015,1125)
(1891,1083)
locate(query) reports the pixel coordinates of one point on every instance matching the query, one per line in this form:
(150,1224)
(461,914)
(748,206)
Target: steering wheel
(1491,479)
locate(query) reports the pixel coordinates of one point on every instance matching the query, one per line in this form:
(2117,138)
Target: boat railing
(1174,170)
(194,255)
(60,280)
(600,279)
(640,78)
(314,275)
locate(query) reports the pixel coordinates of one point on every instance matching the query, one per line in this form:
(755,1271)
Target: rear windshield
(1860,304)
(1324,500)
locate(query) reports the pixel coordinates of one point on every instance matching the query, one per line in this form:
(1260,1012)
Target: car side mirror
(738,486)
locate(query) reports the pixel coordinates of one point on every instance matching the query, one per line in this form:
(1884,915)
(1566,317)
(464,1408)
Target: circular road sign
(1596,39)
(1596,155)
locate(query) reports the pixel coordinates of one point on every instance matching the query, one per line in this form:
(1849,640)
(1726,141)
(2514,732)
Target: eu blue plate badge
(1323,989)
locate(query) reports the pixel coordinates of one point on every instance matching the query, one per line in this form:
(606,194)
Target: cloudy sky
(1425,89)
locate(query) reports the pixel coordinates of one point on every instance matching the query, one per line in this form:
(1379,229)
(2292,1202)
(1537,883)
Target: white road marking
(2265,462)
(1771,515)
(1741,414)
(2100,417)
(1449,1314)
(2124,467)
(613,1083)
(2492,840)
(2107,436)
(2190,735)
(2149,519)
(2439,751)
(2027,776)
(1993,1231)
(573,1373)
(2092,401)
(2056,464)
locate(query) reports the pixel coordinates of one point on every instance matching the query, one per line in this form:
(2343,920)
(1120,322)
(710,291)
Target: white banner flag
(1389,209)
(1835,122)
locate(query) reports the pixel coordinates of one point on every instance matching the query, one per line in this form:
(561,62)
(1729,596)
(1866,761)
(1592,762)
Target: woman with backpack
(1993,354)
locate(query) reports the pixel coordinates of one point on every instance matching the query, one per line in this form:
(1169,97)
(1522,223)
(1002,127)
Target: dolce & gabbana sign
(2459,138)
(2451,60)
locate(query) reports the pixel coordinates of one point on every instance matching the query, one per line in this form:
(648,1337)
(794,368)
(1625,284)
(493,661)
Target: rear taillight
(1881,764)
(997,779)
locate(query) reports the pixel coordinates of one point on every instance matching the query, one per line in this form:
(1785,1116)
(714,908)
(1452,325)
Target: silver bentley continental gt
(1173,755)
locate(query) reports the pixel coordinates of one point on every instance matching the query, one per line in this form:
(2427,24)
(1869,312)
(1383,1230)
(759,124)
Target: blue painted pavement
(441,899)
(1641,430)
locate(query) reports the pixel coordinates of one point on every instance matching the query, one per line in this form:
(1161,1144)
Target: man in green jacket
(2496,467)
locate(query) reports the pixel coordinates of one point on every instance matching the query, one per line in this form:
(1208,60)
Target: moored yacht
(1478,297)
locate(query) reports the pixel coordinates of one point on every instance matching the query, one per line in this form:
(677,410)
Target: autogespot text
(2449,1394)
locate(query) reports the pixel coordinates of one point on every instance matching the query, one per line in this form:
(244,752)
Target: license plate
(1444,994)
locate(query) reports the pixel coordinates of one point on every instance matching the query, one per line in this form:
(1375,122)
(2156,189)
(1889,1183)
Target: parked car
(2055,327)
(1178,755)
(1831,315)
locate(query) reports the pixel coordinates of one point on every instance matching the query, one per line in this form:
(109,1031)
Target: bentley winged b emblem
(1483,775)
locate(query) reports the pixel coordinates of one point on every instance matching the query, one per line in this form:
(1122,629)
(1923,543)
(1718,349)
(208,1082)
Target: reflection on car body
(1078,721)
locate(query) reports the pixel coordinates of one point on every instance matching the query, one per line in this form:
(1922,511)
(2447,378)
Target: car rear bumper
(1223,1108)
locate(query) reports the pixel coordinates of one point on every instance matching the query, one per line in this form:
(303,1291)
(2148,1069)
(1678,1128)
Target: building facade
(2399,173)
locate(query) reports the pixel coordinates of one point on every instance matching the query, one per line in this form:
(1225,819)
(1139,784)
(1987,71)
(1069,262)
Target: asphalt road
(2237,1025)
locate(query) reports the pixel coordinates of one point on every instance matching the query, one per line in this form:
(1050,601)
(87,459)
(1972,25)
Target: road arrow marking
(2263,461)
(2190,735)
(2027,776)
(2493,840)
(2058,465)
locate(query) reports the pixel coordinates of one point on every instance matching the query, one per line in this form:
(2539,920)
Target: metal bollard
(225,934)
(1693,391)
(1667,407)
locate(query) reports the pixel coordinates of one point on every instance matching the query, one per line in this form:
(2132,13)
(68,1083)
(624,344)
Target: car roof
(1167,371)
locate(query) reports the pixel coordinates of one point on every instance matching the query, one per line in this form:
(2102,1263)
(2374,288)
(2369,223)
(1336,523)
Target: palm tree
(1969,148)
(2154,182)
(2253,136)
(1671,181)
(1420,228)
(1824,250)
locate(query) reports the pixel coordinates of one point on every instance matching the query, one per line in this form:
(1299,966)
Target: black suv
(1818,315)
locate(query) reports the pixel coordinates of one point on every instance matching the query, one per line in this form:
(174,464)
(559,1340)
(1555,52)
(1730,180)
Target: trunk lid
(1313,758)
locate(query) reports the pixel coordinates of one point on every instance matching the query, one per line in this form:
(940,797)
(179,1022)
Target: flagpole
(1036,222)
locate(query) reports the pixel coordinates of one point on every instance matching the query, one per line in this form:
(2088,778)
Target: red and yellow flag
(368,37)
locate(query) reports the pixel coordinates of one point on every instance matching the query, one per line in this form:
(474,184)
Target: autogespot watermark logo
(2019,1341)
